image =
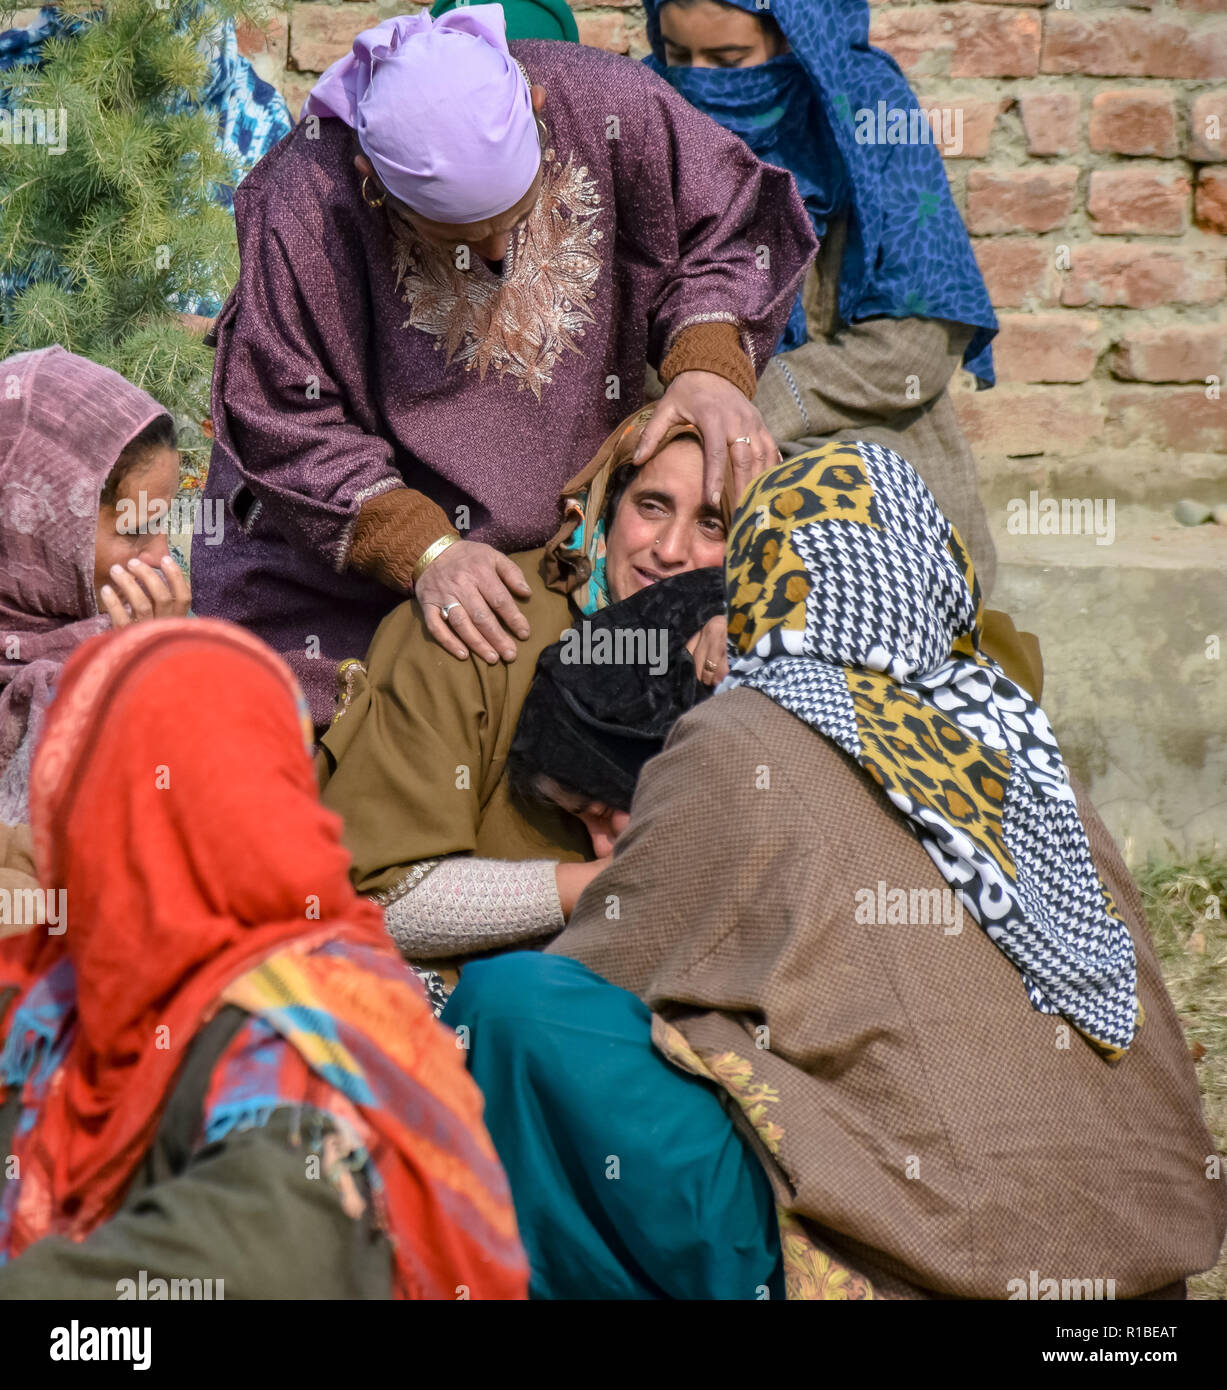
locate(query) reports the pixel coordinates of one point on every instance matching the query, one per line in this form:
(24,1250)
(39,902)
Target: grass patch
(1186,907)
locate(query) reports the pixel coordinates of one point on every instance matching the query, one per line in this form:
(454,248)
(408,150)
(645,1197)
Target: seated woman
(415,761)
(869,913)
(895,301)
(86,461)
(221,1071)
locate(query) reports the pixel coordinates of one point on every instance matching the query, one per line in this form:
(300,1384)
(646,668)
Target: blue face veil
(908,254)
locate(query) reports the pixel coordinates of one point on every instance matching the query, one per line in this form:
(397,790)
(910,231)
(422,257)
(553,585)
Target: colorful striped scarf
(201,873)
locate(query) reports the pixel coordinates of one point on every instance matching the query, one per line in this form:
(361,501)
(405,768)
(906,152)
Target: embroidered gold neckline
(521,322)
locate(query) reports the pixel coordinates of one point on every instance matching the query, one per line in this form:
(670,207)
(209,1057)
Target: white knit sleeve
(460,906)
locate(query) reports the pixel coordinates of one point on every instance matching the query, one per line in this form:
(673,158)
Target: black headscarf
(591,727)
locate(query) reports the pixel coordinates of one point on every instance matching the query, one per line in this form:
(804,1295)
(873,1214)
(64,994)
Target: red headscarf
(173,799)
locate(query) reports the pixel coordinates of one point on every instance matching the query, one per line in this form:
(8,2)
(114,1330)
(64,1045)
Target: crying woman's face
(603,823)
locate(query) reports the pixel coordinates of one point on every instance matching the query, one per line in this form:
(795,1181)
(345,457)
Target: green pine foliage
(122,222)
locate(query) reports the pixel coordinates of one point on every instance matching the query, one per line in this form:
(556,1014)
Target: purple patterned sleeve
(282,404)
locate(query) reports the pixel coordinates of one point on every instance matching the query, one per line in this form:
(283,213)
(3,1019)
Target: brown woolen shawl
(64,421)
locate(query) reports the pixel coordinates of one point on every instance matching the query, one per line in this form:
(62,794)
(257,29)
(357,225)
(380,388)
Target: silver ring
(745,439)
(446,608)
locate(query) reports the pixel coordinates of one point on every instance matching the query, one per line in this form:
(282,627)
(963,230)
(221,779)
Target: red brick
(1107,276)
(977,41)
(1019,272)
(1046,347)
(270,37)
(1133,45)
(1020,200)
(608,31)
(1167,417)
(1211,207)
(1137,122)
(978,120)
(1208,126)
(914,37)
(1151,200)
(320,34)
(1050,121)
(1177,352)
(995,43)
(1017,420)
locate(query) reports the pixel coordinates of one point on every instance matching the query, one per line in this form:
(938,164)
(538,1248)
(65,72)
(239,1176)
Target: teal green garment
(630,1181)
(528,19)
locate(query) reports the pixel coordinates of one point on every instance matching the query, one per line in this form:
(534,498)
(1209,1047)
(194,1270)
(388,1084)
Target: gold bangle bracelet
(432,552)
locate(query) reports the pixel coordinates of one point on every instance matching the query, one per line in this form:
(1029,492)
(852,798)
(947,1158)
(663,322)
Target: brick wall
(1093,177)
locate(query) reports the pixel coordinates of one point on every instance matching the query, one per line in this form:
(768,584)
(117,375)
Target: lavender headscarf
(64,421)
(441,110)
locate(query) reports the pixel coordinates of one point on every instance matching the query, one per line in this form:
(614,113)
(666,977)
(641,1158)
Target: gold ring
(745,439)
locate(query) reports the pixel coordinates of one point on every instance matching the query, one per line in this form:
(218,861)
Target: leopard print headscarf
(853,604)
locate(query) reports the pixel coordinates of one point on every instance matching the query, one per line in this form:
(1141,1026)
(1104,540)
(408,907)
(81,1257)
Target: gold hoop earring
(541,130)
(377,203)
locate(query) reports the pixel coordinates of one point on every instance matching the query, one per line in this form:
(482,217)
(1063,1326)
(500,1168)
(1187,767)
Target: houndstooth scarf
(853,605)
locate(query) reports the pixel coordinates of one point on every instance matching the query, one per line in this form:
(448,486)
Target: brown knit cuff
(710,347)
(392,531)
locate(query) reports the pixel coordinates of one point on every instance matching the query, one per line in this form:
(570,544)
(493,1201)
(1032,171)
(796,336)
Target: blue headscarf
(908,254)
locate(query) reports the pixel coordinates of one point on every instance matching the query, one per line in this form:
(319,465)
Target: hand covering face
(64,421)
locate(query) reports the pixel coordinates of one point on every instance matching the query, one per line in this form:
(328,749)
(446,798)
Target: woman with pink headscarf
(88,467)
(453,273)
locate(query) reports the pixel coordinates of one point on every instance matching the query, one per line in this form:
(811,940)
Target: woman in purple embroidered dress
(453,273)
